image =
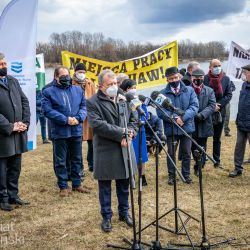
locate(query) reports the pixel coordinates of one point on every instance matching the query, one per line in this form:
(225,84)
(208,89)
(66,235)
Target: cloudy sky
(156,21)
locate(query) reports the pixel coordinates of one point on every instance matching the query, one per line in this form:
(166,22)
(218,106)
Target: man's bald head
(215,63)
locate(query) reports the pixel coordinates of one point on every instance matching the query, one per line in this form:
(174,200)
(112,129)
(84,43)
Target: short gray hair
(108,72)
(121,77)
(2,56)
(191,65)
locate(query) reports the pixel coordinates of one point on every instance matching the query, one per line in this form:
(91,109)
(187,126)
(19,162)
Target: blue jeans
(42,120)
(185,148)
(68,149)
(122,192)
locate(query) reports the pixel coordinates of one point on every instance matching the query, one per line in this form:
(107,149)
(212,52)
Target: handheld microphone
(147,101)
(165,102)
(134,104)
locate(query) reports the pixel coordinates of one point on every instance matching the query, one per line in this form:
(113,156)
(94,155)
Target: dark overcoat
(207,103)
(243,115)
(227,92)
(14,107)
(107,119)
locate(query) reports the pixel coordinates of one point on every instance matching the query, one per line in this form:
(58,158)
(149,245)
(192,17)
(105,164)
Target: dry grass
(51,222)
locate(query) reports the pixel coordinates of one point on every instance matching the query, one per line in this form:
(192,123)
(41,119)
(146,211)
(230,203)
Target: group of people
(76,113)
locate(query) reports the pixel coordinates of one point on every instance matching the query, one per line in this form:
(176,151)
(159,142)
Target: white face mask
(243,78)
(132,91)
(112,91)
(80,76)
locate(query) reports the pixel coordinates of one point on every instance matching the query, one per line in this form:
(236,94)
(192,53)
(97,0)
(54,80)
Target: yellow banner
(147,70)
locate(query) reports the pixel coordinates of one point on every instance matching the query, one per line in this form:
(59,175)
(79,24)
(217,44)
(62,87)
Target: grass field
(51,222)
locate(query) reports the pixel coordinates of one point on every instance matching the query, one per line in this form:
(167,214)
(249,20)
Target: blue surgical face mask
(216,71)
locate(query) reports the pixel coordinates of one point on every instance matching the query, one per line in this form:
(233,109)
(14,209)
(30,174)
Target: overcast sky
(156,21)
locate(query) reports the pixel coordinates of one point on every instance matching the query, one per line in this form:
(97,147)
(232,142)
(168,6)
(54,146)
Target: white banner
(18,24)
(238,57)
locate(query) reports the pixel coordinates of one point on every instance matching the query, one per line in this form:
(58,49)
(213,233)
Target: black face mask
(3,72)
(198,82)
(65,81)
(174,84)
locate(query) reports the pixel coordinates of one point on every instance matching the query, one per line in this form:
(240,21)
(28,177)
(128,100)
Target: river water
(204,65)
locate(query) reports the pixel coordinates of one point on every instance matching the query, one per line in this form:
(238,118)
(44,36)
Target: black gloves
(198,117)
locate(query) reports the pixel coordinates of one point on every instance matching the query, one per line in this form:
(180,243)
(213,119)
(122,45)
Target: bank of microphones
(155,100)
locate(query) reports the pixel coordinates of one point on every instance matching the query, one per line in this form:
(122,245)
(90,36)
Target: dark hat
(198,72)
(183,71)
(247,67)
(126,84)
(171,71)
(80,66)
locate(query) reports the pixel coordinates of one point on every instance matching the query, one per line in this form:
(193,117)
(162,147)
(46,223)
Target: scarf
(197,89)
(215,83)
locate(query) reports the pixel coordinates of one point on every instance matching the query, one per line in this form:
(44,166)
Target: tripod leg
(185,229)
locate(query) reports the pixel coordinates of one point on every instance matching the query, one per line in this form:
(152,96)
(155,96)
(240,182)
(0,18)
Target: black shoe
(46,141)
(196,172)
(217,165)
(228,135)
(106,225)
(235,173)
(144,180)
(127,219)
(91,168)
(188,180)
(18,201)
(6,206)
(171,180)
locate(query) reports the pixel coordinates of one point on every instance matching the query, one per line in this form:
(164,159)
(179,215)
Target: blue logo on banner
(17,67)
(30,145)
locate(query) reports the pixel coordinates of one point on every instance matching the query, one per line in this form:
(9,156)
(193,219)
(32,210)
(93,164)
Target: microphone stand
(156,245)
(135,245)
(175,209)
(205,244)
(140,123)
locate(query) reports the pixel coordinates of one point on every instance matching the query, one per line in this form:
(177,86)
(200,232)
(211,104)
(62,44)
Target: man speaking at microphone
(106,115)
(183,98)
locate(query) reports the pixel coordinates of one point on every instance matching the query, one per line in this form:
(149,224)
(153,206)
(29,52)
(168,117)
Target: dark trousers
(240,147)
(42,120)
(90,153)
(185,148)
(227,120)
(218,128)
(203,143)
(122,192)
(68,149)
(10,168)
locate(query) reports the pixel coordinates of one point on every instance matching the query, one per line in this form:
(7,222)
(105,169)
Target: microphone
(134,104)
(165,102)
(147,101)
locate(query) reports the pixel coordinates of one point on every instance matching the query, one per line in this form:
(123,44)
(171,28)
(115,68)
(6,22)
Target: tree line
(97,46)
